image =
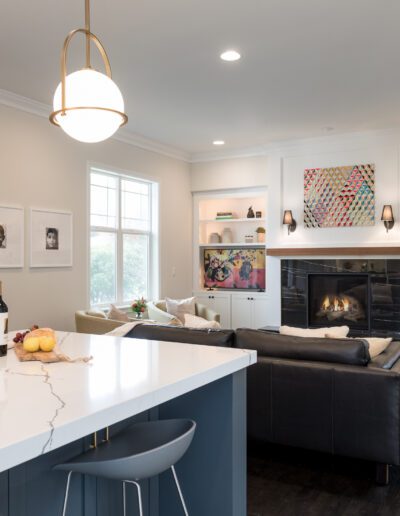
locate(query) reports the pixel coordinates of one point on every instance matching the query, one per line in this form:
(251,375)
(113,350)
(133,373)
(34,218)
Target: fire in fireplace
(335,299)
(336,307)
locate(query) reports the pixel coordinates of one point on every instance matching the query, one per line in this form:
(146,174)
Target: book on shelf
(224,215)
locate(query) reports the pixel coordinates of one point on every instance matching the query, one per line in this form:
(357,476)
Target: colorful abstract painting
(339,196)
(234,268)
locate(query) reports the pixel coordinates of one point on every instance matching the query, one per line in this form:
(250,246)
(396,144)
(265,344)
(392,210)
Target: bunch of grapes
(19,337)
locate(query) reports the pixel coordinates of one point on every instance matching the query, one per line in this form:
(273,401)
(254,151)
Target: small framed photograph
(51,238)
(11,237)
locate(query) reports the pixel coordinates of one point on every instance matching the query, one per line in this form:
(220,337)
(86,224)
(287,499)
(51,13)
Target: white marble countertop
(45,406)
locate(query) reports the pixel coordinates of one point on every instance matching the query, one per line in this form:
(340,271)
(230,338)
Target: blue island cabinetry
(209,386)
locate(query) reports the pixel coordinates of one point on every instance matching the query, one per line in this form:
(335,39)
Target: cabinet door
(242,311)
(220,303)
(260,316)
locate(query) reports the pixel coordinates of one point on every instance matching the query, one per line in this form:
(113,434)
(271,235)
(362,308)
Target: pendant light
(87,104)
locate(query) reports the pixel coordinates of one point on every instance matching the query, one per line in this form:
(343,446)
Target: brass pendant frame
(64,53)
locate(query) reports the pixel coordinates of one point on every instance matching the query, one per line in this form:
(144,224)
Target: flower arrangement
(139,306)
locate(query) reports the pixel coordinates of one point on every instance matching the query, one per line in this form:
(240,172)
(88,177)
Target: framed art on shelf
(51,238)
(234,268)
(11,237)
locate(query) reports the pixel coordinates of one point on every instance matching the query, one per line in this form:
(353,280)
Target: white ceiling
(307,64)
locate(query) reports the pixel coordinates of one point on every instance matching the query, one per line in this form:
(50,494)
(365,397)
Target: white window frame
(152,232)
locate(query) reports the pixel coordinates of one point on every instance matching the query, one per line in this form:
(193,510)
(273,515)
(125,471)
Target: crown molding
(249,152)
(287,147)
(283,147)
(125,136)
(9,99)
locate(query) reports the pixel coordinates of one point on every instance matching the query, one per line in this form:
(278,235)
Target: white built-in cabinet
(248,310)
(236,308)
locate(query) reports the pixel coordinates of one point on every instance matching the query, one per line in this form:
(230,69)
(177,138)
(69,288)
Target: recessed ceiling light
(218,142)
(230,55)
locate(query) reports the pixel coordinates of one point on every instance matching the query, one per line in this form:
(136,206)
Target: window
(123,238)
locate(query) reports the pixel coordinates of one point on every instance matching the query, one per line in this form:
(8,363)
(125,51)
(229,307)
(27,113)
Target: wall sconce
(387,217)
(289,221)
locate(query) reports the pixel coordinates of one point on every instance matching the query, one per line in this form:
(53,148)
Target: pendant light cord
(87,28)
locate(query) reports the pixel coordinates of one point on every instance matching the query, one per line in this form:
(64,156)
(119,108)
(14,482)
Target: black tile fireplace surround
(363,294)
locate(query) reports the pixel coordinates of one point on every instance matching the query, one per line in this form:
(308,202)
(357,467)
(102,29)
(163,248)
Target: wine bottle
(3,325)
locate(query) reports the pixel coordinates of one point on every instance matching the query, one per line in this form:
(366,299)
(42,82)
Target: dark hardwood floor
(284,481)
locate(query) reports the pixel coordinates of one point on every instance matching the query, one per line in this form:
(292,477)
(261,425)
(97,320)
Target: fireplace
(338,299)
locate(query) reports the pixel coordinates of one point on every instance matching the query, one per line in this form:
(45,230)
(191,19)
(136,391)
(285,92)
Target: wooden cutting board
(46,357)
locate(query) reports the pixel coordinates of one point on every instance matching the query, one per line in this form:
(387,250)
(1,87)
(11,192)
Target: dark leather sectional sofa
(318,394)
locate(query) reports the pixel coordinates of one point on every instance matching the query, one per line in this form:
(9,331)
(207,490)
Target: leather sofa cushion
(208,337)
(270,344)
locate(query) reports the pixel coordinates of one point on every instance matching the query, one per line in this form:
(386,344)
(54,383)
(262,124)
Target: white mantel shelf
(334,251)
(46,406)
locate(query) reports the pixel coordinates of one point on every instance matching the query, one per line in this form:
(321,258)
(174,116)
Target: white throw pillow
(376,345)
(194,321)
(117,315)
(337,332)
(180,307)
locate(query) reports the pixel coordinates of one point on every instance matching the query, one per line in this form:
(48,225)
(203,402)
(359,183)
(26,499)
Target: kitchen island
(49,413)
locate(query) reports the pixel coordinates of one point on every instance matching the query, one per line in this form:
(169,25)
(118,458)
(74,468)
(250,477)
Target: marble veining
(45,406)
(47,381)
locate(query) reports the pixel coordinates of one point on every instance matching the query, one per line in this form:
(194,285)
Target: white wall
(41,167)
(282,171)
(229,173)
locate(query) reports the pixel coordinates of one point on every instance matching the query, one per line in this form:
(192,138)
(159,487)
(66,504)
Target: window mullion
(120,252)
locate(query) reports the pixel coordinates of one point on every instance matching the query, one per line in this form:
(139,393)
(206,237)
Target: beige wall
(41,167)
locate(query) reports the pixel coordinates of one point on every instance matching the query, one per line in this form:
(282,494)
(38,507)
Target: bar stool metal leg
(66,493)
(124,497)
(179,491)
(139,492)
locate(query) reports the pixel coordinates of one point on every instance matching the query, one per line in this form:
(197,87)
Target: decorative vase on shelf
(260,235)
(250,213)
(214,238)
(227,236)
(138,315)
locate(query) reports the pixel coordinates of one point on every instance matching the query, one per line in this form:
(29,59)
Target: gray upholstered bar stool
(142,451)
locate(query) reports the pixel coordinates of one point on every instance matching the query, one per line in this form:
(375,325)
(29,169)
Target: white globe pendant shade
(94,107)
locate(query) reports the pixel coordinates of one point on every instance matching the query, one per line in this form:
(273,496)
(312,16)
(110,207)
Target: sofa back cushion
(268,344)
(208,337)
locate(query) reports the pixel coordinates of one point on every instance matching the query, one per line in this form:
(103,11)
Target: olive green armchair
(94,322)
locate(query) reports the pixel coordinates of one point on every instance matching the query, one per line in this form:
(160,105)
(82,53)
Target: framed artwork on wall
(236,268)
(51,238)
(339,196)
(11,237)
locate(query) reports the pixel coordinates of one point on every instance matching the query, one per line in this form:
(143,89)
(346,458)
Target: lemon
(47,343)
(31,344)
